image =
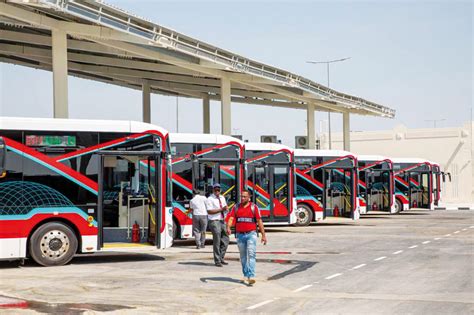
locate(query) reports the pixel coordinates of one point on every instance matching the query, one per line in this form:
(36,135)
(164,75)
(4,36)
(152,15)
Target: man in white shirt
(198,206)
(216,209)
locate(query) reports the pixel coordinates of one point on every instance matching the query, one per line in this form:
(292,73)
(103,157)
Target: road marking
(414,246)
(315,282)
(426,242)
(464,229)
(448,235)
(261,304)
(333,276)
(457,232)
(397,252)
(471,227)
(358,266)
(380,258)
(437,238)
(303,288)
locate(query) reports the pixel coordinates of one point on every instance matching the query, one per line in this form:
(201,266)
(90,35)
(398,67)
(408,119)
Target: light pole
(328,62)
(177,114)
(435,120)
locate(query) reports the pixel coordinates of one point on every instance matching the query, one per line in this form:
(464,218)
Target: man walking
(216,208)
(198,207)
(246,216)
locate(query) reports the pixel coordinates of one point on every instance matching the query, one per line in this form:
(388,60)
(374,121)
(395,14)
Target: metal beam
(60,86)
(226,116)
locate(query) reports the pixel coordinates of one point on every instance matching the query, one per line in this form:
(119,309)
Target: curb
(6,302)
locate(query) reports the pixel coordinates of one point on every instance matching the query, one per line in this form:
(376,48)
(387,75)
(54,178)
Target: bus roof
(304,152)
(372,158)
(56,124)
(202,138)
(409,160)
(260,146)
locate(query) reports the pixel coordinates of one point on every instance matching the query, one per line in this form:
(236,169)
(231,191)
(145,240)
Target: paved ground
(419,262)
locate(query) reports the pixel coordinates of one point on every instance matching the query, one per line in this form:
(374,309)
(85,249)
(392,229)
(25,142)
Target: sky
(412,56)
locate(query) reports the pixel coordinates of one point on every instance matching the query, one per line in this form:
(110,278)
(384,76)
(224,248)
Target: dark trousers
(220,239)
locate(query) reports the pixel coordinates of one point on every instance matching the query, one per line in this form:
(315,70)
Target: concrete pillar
(206,114)
(60,87)
(146,102)
(346,129)
(225,107)
(310,128)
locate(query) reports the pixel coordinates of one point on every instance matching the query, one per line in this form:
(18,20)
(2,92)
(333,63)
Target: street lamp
(328,62)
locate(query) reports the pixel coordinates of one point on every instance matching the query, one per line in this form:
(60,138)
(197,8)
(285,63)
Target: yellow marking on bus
(228,190)
(263,204)
(283,200)
(283,186)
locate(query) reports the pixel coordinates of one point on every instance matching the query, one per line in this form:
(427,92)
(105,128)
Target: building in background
(452,148)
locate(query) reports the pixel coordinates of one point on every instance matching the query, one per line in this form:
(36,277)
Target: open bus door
(226,171)
(338,197)
(130,197)
(270,183)
(378,189)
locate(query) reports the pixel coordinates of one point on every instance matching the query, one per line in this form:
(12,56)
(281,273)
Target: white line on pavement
(303,288)
(471,227)
(464,229)
(315,282)
(333,276)
(380,258)
(437,238)
(414,246)
(448,235)
(261,304)
(457,232)
(397,252)
(358,266)
(426,242)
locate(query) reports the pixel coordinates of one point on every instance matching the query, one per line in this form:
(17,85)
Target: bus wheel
(304,215)
(398,206)
(175,230)
(53,244)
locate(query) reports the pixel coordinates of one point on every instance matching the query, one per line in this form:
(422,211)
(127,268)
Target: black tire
(53,244)
(398,206)
(304,215)
(175,231)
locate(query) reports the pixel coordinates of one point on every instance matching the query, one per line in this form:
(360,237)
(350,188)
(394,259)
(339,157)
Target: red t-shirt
(247,224)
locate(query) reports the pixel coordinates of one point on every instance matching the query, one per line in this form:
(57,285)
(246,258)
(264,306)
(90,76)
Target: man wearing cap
(216,209)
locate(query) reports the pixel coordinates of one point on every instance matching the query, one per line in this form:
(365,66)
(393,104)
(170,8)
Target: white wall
(452,148)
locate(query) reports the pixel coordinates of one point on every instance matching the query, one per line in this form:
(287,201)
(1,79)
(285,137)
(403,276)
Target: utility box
(268,139)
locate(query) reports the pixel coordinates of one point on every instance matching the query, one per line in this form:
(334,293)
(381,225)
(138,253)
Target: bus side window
(3,157)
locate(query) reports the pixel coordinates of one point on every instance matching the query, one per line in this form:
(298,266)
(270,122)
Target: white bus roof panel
(257,146)
(372,158)
(304,152)
(202,138)
(56,124)
(409,160)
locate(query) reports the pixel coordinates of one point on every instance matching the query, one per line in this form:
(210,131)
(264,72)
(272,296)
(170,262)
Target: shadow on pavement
(222,279)
(196,263)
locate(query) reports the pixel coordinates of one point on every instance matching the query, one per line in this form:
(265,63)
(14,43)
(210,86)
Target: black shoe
(197,247)
(224,262)
(218,265)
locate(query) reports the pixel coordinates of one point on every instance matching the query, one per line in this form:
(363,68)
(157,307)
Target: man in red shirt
(246,216)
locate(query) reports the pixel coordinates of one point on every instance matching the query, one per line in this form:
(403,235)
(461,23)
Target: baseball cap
(216,185)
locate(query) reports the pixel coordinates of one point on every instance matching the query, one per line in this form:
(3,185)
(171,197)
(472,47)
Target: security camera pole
(327,67)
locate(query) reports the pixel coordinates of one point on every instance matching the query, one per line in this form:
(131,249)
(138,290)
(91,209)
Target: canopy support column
(146,102)
(346,131)
(310,128)
(225,107)
(206,114)
(60,86)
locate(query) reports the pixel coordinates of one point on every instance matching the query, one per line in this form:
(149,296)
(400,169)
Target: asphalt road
(419,262)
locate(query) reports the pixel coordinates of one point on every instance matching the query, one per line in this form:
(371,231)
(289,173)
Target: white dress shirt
(212,203)
(198,204)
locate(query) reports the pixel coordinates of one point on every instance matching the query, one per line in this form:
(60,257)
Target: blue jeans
(247,243)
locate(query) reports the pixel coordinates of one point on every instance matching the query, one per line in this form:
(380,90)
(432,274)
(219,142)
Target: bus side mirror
(3,158)
(444,178)
(449,176)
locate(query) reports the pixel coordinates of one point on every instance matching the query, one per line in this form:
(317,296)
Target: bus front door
(129,198)
(338,192)
(269,184)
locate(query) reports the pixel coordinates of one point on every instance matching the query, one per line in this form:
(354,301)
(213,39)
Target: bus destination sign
(50,141)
